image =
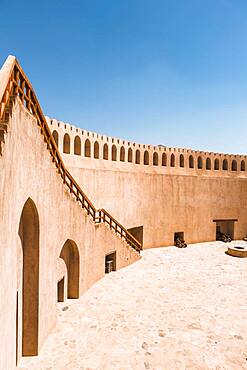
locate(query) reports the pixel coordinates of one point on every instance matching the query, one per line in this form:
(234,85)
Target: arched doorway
(225,165)
(87,148)
(55,136)
(77,145)
(138,156)
(216,164)
(129,155)
(146,158)
(243,165)
(172,160)
(208,164)
(70,255)
(66,144)
(164,159)
(114,153)
(96,150)
(29,236)
(234,165)
(122,154)
(191,161)
(199,163)
(181,160)
(155,159)
(105,151)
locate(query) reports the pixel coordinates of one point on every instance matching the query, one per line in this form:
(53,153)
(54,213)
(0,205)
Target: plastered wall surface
(161,198)
(165,190)
(27,172)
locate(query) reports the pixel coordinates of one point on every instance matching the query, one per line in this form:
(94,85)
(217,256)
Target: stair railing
(14,83)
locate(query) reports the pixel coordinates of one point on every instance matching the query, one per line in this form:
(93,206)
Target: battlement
(56,242)
(80,143)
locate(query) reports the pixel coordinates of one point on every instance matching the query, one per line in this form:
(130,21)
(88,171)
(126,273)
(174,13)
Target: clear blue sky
(170,72)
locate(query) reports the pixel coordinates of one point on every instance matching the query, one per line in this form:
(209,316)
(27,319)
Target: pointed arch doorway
(29,236)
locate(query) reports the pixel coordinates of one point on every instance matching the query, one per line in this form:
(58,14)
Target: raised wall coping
(69,128)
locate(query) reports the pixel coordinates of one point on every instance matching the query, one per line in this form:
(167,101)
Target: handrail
(118,228)
(14,83)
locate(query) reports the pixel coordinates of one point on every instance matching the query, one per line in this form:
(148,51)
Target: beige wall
(27,171)
(163,199)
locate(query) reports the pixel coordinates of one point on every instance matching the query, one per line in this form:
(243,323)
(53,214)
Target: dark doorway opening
(29,235)
(137,233)
(225,227)
(178,235)
(110,262)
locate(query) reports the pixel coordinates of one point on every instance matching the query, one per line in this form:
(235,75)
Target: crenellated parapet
(77,144)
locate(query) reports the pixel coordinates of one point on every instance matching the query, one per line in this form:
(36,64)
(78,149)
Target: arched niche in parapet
(172,160)
(87,148)
(242,165)
(113,153)
(155,159)
(70,255)
(122,154)
(225,165)
(181,160)
(164,159)
(66,144)
(55,136)
(96,150)
(77,145)
(199,163)
(130,155)
(146,158)
(208,164)
(105,151)
(216,164)
(138,157)
(29,236)
(191,161)
(234,165)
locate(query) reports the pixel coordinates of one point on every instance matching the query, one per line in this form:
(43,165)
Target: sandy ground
(173,309)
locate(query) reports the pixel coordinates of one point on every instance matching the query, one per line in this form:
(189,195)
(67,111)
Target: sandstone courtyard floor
(173,309)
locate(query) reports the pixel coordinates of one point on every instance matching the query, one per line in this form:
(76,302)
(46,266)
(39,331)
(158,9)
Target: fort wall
(52,233)
(165,190)
(29,176)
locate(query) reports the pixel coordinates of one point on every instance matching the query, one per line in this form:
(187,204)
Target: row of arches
(210,166)
(27,302)
(134,156)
